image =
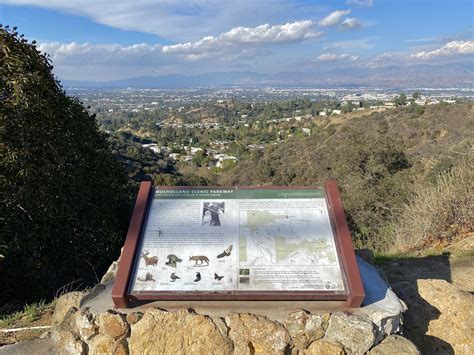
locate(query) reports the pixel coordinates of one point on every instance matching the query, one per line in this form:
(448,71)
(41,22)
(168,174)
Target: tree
(401,100)
(63,195)
(416,95)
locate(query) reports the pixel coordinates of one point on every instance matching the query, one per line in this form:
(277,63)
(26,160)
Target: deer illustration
(153,260)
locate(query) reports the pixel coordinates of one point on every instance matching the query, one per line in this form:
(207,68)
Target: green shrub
(439,212)
(63,195)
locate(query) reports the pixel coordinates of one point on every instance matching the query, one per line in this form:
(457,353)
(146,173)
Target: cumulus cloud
(383,57)
(76,53)
(246,36)
(365,3)
(351,24)
(86,61)
(177,20)
(232,48)
(386,59)
(334,18)
(331,57)
(238,43)
(449,49)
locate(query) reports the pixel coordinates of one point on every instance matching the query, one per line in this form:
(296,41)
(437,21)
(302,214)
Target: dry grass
(439,212)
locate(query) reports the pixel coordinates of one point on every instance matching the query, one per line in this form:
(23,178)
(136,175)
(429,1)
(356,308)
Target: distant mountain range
(422,75)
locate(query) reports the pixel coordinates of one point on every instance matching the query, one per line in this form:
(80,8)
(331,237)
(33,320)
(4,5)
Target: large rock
(440,317)
(381,304)
(322,347)
(84,324)
(304,328)
(395,344)
(182,332)
(354,332)
(109,276)
(65,342)
(134,317)
(112,324)
(106,345)
(64,303)
(253,334)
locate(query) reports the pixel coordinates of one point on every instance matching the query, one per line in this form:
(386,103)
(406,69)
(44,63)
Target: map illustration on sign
(209,240)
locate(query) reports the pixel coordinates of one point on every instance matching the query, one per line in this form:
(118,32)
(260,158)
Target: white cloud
(449,49)
(351,23)
(294,31)
(354,44)
(226,51)
(366,3)
(386,59)
(383,57)
(334,18)
(245,36)
(86,61)
(178,20)
(331,57)
(72,53)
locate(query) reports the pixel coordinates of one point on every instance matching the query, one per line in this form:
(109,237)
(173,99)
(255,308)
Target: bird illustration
(225,252)
(198,277)
(174,277)
(148,277)
(217,277)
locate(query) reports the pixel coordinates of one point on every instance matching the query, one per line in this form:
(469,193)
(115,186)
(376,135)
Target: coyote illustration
(200,258)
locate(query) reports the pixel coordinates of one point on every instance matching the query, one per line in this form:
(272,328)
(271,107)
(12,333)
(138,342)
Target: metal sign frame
(353,295)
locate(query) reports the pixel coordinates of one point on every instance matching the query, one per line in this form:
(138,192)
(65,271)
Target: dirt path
(31,328)
(454,264)
(431,322)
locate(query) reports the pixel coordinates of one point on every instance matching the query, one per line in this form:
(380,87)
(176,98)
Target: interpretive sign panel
(237,244)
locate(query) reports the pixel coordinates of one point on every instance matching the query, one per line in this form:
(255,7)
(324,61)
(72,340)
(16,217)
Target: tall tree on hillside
(62,191)
(401,100)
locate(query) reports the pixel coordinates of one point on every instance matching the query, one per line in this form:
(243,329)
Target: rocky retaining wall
(77,331)
(372,329)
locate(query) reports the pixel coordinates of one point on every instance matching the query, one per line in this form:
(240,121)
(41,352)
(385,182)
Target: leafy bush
(439,211)
(63,195)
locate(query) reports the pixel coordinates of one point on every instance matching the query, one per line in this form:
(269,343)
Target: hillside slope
(379,160)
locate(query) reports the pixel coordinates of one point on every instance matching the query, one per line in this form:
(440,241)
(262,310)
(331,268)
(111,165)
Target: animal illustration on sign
(199,258)
(198,277)
(172,260)
(174,277)
(225,252)
(152,260)
(148,277)
(217,277)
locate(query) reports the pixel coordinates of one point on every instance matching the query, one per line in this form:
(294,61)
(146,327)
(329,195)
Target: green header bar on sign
(236,193)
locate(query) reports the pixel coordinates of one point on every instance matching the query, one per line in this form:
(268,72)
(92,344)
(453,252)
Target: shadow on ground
(403,274)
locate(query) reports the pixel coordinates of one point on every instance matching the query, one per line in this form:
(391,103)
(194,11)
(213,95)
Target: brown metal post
(356,288)
(120,288)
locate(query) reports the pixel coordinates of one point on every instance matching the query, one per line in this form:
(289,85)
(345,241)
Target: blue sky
(107,40)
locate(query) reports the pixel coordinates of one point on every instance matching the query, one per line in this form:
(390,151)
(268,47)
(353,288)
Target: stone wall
(372,329)
(77,331)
